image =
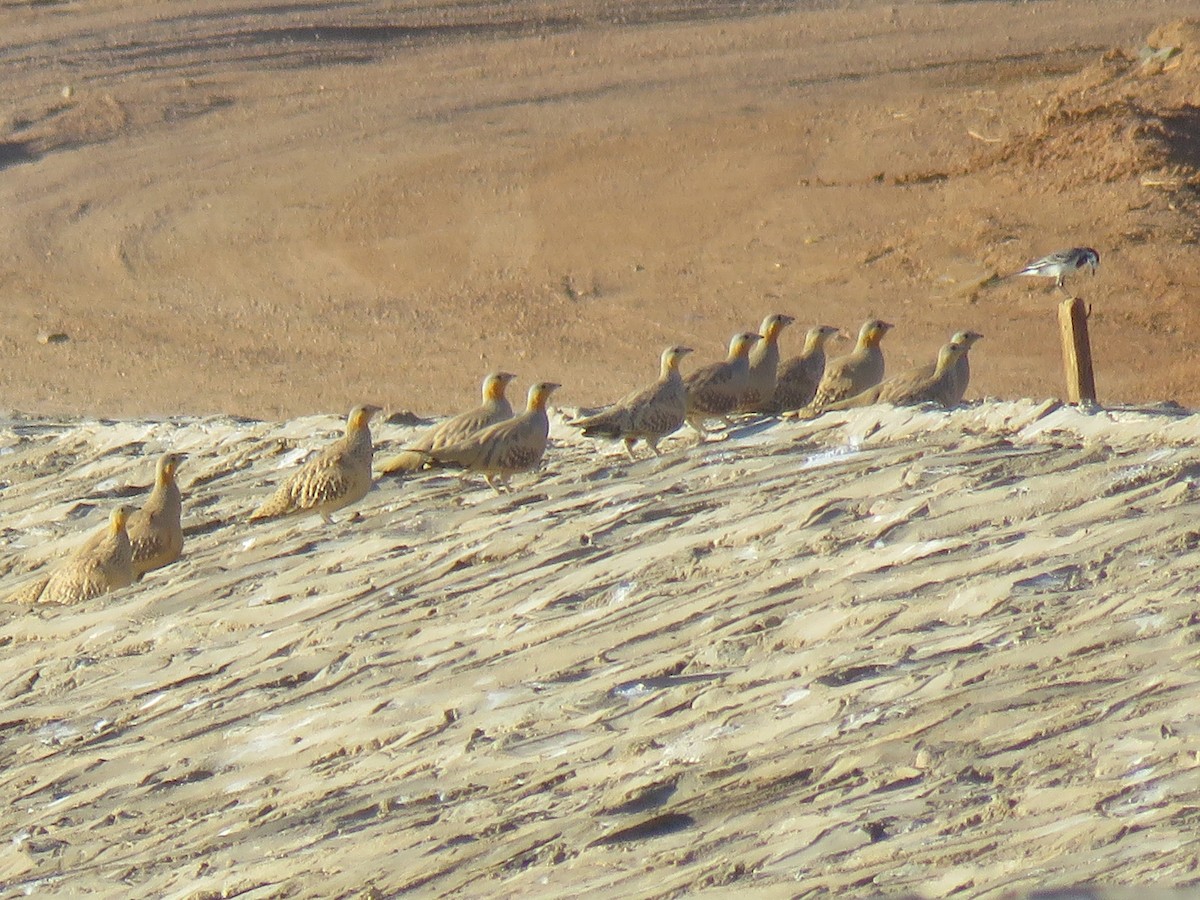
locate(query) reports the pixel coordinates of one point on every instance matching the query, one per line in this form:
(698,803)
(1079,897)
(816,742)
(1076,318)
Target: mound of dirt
(1125,116)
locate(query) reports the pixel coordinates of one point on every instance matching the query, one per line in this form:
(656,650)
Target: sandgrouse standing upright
(494,408)
(505,449)
(961,378)
(648,414)
(715,391)
(799,376)
(764,365)
(920,384)
(858,370)
(155,532)
(960,381)
(337,477)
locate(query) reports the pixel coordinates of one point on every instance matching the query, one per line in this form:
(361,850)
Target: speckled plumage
(505,449)
(853,373)
(494,408)
(103,564)
(715,391)
(647,414)
(339,476)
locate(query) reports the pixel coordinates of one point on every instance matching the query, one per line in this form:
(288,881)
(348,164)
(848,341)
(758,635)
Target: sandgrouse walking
(332,480)
(648,414)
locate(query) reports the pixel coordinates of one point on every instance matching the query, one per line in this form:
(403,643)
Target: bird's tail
(405,462)
(274,508)
(595,426)
(31,591)
(434,461)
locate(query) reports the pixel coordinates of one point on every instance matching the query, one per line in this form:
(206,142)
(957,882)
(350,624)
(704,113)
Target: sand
(285,209)
(884,652)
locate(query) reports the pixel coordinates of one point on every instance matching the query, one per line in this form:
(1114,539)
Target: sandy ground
(901,653)
(888,652)
(287,208)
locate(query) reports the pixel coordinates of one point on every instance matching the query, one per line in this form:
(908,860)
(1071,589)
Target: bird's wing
(476,451)
(31,591)
(629,414)
(838,382)
(660,409)
(321,480)
(713,376)
(796,384)
(898,388)
(461,426)
(715,388)
(81,579)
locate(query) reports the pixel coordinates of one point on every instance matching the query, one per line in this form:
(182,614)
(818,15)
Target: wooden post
(1077,351)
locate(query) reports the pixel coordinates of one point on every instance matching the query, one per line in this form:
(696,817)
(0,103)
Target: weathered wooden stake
(1077,351)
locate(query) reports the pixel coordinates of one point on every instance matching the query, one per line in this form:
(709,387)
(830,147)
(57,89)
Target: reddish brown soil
(294,207)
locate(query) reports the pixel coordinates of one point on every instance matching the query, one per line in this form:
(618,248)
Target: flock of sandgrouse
(491,441)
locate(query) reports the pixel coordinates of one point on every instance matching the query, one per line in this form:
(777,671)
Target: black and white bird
(1061,264)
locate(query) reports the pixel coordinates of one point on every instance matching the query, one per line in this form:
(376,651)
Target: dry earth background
(275,209)
(892,652)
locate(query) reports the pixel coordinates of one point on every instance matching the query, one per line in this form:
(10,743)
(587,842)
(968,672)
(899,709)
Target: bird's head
(360,417)
(540,393)
(168,465)
(672,356)
(117,519)
(773,324)
(966,338)
(496,384)
(873,331)
(819,334)
(741,344)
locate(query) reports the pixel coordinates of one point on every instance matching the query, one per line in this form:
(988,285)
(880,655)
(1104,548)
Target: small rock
(404,417)
(53,337)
